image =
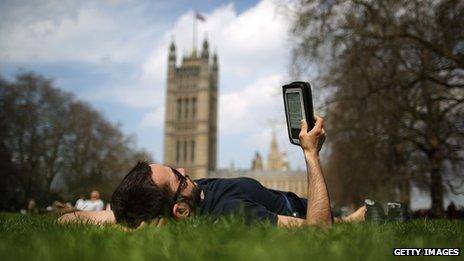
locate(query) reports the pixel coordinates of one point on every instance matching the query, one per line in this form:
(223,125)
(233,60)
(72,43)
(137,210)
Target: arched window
(192,151)
(177,151)
(185,151)
(186,107)
(194,108)
(179,108)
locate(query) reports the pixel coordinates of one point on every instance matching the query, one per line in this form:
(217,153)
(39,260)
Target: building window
(192,151)
(177,151)
(185,151)
(179,108)
(186,107)
(194,108)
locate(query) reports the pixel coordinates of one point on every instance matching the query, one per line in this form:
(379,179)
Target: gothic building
(190,134)
(257,163)
(275,159)
(275,174)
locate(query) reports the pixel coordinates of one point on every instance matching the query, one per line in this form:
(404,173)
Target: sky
(113,55)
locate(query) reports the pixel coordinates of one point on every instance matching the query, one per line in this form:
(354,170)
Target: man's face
(94,195)
(164,176)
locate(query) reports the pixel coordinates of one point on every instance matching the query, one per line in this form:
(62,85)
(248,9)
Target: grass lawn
(38,237)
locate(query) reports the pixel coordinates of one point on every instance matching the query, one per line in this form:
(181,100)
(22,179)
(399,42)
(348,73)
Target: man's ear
(180,210)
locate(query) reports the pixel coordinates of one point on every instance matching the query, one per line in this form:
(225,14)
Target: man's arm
(318,211)
(90,217)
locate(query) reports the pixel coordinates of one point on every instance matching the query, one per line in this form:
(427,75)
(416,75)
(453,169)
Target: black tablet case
(308,104)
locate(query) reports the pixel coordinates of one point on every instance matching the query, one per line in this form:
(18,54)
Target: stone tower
(275,159)
(257,163)
(190,134)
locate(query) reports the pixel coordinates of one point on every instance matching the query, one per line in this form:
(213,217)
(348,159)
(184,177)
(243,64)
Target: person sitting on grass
(153,191)
(94,204)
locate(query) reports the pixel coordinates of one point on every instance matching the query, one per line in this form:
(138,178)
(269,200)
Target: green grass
(39,237)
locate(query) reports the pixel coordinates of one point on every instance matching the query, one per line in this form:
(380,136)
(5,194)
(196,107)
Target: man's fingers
(318,125)
(142,225)
(319,122)
(304,126)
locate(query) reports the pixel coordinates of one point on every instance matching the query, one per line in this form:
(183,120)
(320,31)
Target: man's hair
(138,198)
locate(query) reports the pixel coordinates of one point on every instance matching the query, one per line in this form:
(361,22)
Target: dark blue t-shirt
(247,196)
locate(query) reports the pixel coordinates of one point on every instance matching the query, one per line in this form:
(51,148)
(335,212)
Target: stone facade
(275,175)
(190,134)
(294,181)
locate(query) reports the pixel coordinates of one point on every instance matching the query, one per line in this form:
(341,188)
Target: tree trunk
(436,190)
(405,189)
(403,176)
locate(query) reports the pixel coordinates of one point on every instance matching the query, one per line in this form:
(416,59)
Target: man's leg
(300,204)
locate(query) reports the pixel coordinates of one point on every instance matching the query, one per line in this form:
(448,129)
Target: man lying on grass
(150,192)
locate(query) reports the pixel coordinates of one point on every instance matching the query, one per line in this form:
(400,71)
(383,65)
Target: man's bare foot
(357,216)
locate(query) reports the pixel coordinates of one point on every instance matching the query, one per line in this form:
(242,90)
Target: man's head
(94,195)
(150,191)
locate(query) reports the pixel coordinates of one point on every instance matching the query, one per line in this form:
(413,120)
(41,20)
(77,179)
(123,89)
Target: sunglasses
(182,185)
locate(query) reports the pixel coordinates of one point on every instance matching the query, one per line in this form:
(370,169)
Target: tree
(396,69)
(48,137)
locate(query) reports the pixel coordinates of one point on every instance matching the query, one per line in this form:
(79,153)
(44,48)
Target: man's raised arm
(318,211)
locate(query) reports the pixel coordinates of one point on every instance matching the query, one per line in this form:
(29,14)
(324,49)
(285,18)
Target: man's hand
(312,141)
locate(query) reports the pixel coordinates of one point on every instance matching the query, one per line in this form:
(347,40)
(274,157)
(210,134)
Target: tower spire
(172,52)
(205,50)
(275,158)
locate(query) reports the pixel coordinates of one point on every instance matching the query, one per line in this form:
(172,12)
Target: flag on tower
(200,17)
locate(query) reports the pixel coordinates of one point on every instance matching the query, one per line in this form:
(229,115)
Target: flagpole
(194,33)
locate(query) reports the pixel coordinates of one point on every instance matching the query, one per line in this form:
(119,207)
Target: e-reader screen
(295,113)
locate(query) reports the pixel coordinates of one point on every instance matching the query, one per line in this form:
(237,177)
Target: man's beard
(194,200)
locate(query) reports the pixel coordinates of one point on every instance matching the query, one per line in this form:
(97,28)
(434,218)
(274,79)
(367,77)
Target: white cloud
(154,118)
(135,92)
(253,106)
(60,31)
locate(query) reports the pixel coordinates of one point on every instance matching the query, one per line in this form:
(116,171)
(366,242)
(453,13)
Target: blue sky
(113,54)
